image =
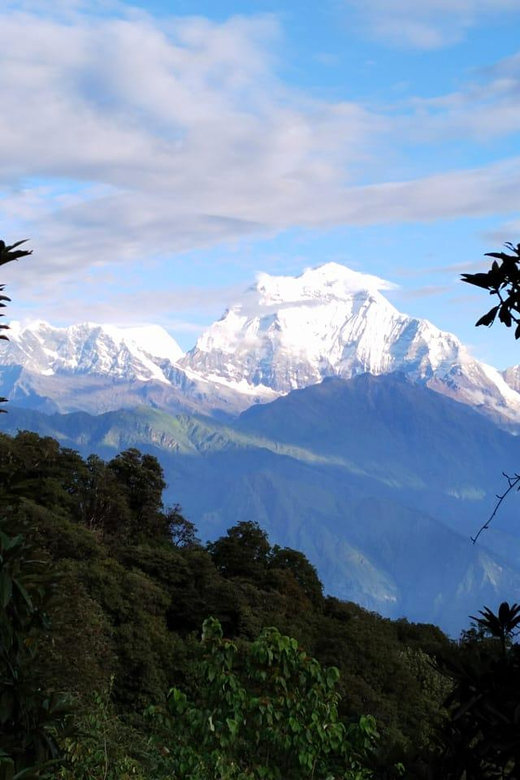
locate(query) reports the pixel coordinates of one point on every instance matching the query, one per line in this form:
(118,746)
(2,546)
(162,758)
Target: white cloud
(123,227)
(169,308)
(425,24)
(445,270)
(424,292)
(127,136)
(467,193)
(485,108)
(179,132)
(131,138)
(508,231)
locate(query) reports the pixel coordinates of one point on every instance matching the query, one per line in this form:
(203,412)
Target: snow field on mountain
(282,334)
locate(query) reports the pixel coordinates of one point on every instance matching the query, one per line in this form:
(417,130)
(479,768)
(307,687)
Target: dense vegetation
(135,586)
(8,254)
(104,592)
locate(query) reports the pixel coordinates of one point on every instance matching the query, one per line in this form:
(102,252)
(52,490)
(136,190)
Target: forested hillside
(135,586)
(104,673)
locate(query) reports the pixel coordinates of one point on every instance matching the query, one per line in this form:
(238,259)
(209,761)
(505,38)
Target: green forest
(132,650)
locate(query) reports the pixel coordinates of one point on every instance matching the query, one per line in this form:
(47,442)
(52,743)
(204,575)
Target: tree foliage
(7,255)
(131,599)
(31,717)
(265,711)
(105,748)
(243,552)
(503,281)
(481,737)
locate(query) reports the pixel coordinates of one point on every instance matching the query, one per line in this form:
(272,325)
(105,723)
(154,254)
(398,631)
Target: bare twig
(512,482)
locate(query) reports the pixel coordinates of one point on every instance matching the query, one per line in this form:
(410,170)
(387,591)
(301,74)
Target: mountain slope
(512,377)
(287,333)
(378,480)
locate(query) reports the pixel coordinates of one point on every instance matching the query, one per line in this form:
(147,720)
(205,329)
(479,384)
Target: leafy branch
(504,625)
(503,281)
(7,255)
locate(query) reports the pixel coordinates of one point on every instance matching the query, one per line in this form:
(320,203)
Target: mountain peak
(152,339)
(290,332)
(332,273)
(327,281)
(287,332)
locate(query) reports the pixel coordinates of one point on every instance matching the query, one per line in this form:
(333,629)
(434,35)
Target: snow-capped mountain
(99,368)
(284,333)
(291,332)
(512,377)
(287,333)
(124,353)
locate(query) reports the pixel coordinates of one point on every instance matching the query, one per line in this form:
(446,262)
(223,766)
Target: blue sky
(160,155)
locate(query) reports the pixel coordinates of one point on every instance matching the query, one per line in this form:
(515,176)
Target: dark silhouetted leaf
(479,280)
(504,316)
(489,318)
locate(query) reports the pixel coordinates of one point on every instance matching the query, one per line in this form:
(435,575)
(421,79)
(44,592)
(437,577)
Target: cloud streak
(174,135)
(424,292)
(425,24)
(482,110)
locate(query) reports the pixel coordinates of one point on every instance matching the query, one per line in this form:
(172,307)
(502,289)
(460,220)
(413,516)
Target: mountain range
(283,334)
(368,439)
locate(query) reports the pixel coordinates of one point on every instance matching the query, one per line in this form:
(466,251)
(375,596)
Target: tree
(305,574)
(31,718)
(142,479)
(7,255)
(244,552)
(481,738)
(503,281)
(182,532)
(265,711)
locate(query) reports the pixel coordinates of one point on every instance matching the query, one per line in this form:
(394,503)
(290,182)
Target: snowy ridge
(326,282)
(287,332)
(284,333)
(512,377)
(290,332)
(88,348)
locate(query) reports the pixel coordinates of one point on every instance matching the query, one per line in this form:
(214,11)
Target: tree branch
(512,482)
